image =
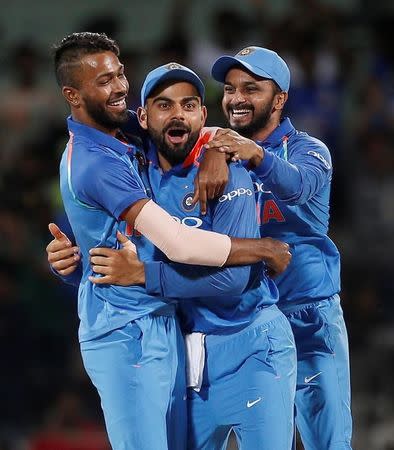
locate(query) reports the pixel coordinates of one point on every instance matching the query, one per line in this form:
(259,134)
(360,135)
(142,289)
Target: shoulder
(302,142)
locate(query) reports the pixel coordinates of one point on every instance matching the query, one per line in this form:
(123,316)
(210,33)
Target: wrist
(258,156)
(216,152)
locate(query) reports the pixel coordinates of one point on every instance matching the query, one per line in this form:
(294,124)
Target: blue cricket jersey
(98,180)
(212,300)
(292,186)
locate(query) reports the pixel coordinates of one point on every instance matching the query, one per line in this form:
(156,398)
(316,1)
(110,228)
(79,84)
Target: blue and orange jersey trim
(70,149)
(206,134)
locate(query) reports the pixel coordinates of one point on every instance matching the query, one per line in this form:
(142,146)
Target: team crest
(173,66)
(246,51)
(187,202)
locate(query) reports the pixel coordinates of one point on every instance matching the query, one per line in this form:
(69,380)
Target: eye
(104,81)
(228,89)
(190,106)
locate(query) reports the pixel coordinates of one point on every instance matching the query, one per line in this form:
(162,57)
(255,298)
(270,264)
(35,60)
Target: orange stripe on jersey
(206,134)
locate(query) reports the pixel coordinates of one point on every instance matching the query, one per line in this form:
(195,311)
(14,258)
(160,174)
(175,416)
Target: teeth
(118,103)
(240,111)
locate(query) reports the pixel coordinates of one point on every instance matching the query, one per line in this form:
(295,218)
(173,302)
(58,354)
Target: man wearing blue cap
(292,177)
(130,342)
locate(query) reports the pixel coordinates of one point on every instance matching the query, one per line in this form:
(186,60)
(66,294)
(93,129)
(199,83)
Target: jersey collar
(97,136)
(283,131)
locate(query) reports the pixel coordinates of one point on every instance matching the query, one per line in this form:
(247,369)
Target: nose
(237,97)
(121,85)
(178,112)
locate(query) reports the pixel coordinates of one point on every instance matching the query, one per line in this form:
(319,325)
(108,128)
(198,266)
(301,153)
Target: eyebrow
(245,83)
(110,74)
(184,99)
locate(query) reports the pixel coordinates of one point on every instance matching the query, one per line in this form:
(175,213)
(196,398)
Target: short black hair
(69,51)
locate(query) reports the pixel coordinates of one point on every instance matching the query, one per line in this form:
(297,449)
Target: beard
(173,153)
(258,122)
(104,118)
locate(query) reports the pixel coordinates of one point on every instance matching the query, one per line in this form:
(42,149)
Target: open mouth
(118,104)
(240,113)
(177,135)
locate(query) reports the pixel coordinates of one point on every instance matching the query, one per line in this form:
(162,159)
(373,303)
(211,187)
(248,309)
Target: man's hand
(230,142)
(211,178)
(121,267)
(62,256)
(279,256)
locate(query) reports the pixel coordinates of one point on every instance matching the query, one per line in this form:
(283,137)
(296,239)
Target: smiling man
(292,174)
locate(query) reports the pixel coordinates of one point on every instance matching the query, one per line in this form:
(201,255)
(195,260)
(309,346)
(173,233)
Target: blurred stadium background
(341,57)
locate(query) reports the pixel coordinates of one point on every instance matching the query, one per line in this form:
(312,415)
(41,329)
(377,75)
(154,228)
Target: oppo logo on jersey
(259,187)
(321,158)
(234,194)
(190,221)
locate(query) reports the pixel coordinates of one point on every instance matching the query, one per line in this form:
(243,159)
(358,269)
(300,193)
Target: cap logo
(173,66)
(246,51)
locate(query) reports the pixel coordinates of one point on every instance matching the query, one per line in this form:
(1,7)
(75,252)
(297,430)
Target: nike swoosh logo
(249,404)
(309,379)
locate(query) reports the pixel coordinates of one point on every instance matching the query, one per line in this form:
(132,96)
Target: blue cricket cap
(171,71)
(258,60)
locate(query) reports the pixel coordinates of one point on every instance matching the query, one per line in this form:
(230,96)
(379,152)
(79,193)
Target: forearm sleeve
(179,242)
(74,278)
(183,281)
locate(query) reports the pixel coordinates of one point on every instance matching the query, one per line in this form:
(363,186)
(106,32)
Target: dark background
(341,58)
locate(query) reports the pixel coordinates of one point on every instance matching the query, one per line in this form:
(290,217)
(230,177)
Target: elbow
(179,254)
(238,280)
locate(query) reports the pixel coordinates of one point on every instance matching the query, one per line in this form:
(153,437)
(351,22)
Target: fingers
(219,190)
(58,245)
(104,261)
(101,280)
(122,238)
(102,269)
(57,253)
(60,260)
(126,243)
(203,198)
(220,145)
(57,233)
(68,271)
(65,266)
(102,251)
(196,194)
(200,194)
(211,190)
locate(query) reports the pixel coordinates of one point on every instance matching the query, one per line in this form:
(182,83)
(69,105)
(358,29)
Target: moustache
(179,125)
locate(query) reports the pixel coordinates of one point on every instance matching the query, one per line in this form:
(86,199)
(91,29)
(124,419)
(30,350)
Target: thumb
(125,241)
(57,233)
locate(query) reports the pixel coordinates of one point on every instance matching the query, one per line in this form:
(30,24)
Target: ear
(72,96)
(142,117)
(281,99)
(204,114)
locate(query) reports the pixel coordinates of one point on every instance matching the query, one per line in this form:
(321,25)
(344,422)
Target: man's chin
(239,126)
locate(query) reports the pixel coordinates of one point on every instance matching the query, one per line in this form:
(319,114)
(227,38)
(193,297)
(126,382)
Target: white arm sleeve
(179,242)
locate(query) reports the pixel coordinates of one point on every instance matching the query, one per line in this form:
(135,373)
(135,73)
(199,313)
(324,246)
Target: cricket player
(292,178)
(130,341)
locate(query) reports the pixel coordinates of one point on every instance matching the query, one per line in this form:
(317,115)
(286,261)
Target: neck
(163,163)
(263,133)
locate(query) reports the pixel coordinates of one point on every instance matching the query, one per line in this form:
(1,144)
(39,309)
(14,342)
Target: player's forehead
(240,75)
(98,64)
